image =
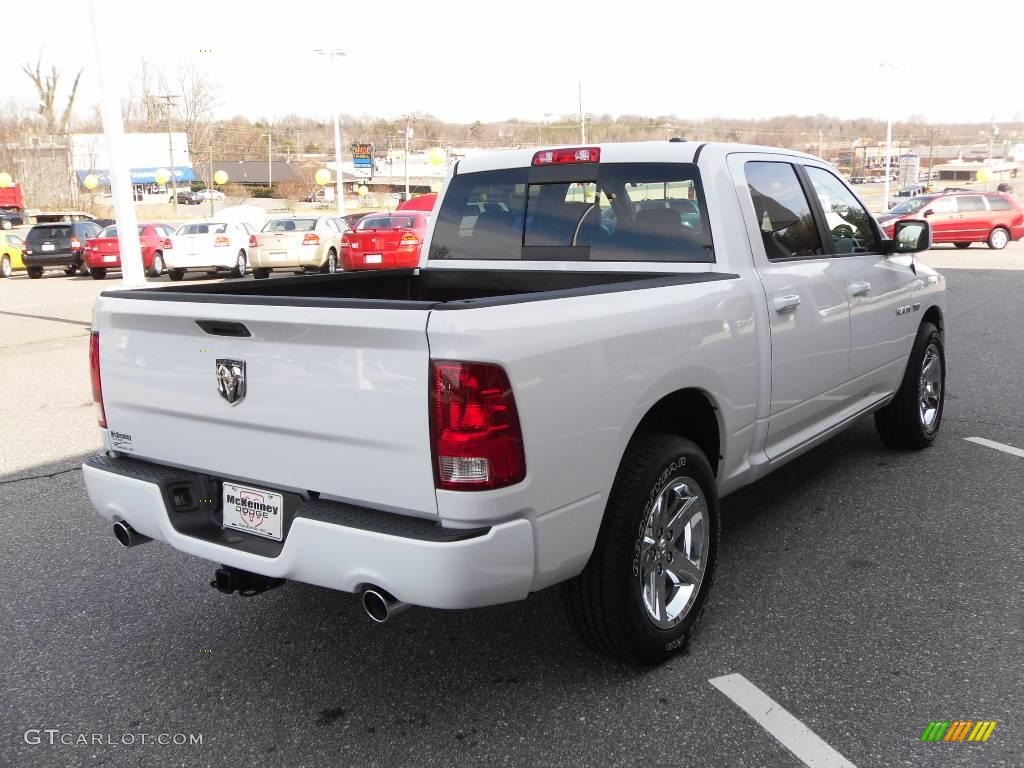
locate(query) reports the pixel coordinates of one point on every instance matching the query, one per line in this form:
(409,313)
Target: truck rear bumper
(494,566)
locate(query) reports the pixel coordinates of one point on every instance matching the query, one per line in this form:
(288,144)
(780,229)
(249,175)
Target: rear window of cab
(622,212)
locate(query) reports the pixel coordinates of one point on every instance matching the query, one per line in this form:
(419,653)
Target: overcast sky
(464,61)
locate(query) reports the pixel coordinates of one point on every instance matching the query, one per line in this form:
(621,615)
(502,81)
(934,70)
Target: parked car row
(197,197)
(313,243)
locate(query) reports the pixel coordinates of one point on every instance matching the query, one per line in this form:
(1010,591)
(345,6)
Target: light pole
(339,186)
(132,271)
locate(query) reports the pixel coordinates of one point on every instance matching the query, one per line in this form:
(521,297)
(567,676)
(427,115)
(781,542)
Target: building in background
(145,154)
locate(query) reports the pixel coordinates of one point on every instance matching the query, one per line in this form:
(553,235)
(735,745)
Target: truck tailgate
(335,400)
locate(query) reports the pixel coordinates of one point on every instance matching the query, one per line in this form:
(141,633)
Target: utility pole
(407,129)
(579,98)
(931,157)
(270,164)
(821,144)
(209,186)
(169,100)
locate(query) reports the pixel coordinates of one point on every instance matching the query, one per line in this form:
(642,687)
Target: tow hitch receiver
(228,580)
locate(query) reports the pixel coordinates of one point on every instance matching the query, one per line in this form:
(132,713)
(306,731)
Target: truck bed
(416,289)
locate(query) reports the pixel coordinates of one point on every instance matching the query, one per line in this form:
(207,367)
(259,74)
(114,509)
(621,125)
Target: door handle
(859,289)
(786,303)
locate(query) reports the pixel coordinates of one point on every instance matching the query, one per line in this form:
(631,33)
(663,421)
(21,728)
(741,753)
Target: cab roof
(616,152)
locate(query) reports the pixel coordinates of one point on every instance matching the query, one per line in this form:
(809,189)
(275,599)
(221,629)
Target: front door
(806,291)
(944,218)
(974,217)
(879,288)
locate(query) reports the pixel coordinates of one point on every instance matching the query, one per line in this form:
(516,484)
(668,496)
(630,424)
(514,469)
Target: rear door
(334,398)
(808,305)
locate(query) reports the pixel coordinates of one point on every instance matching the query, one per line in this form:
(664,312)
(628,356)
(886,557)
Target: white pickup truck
(600,342)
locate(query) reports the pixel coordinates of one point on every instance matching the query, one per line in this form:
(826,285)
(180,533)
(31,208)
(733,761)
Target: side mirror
(909,236)
(928,212)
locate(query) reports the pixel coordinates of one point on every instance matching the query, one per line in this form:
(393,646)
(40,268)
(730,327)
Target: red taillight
(408,241)
(76,244)
(168,244)
(252,242)
(222,240)
(476,440)
(563,156)
(311,238)
(94,371)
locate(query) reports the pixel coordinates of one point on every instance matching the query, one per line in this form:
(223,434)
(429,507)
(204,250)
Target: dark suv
(58,245)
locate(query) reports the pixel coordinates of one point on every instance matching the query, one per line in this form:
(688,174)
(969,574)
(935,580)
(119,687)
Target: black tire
(260,274)
(900,423)
(157,267)
(998,239)
(176,274)
(5,224)
(69,271)
(240,265)
(35,272)
(98,273)
(6,270)
(962,245)
(605,602)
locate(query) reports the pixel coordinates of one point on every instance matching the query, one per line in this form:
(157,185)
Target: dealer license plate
(109,259)
(373,258)
(47,246)
(253,510)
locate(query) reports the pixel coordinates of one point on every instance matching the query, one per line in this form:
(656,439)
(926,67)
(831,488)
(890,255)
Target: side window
(998,203)
(941,205)
(970,203)
(847,221)
(787,226)
(332,225)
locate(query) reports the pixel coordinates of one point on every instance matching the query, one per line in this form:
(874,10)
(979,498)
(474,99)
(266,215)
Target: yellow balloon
(984,174)
(323,177)
(220,177)
(162,176)
(90,182)
(437,156)
(362,191)
(6,180)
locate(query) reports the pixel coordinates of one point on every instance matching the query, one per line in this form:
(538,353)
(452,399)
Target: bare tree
(199,97)
(46,85)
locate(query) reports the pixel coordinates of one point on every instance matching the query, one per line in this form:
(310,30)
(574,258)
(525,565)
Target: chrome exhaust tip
(381,605)
(128,536)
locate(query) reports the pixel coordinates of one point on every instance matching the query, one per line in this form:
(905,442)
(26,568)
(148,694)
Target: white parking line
(790,732)
(998,446)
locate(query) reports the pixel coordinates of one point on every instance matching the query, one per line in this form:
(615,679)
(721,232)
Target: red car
(101,252)
(963,218)
(385,241)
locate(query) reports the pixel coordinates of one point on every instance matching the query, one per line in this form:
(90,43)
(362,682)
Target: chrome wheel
(332,264)
(241,265)
(998,239)
(158,266)
(5,267)
(930,388)
(673,554)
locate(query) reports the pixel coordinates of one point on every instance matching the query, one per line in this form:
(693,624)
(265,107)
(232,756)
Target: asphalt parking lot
(864,590)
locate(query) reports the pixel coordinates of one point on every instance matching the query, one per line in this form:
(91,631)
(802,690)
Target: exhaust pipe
(128,536)
(381,605)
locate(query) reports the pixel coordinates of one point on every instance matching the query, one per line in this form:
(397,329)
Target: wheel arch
(691,413)
(933,315)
